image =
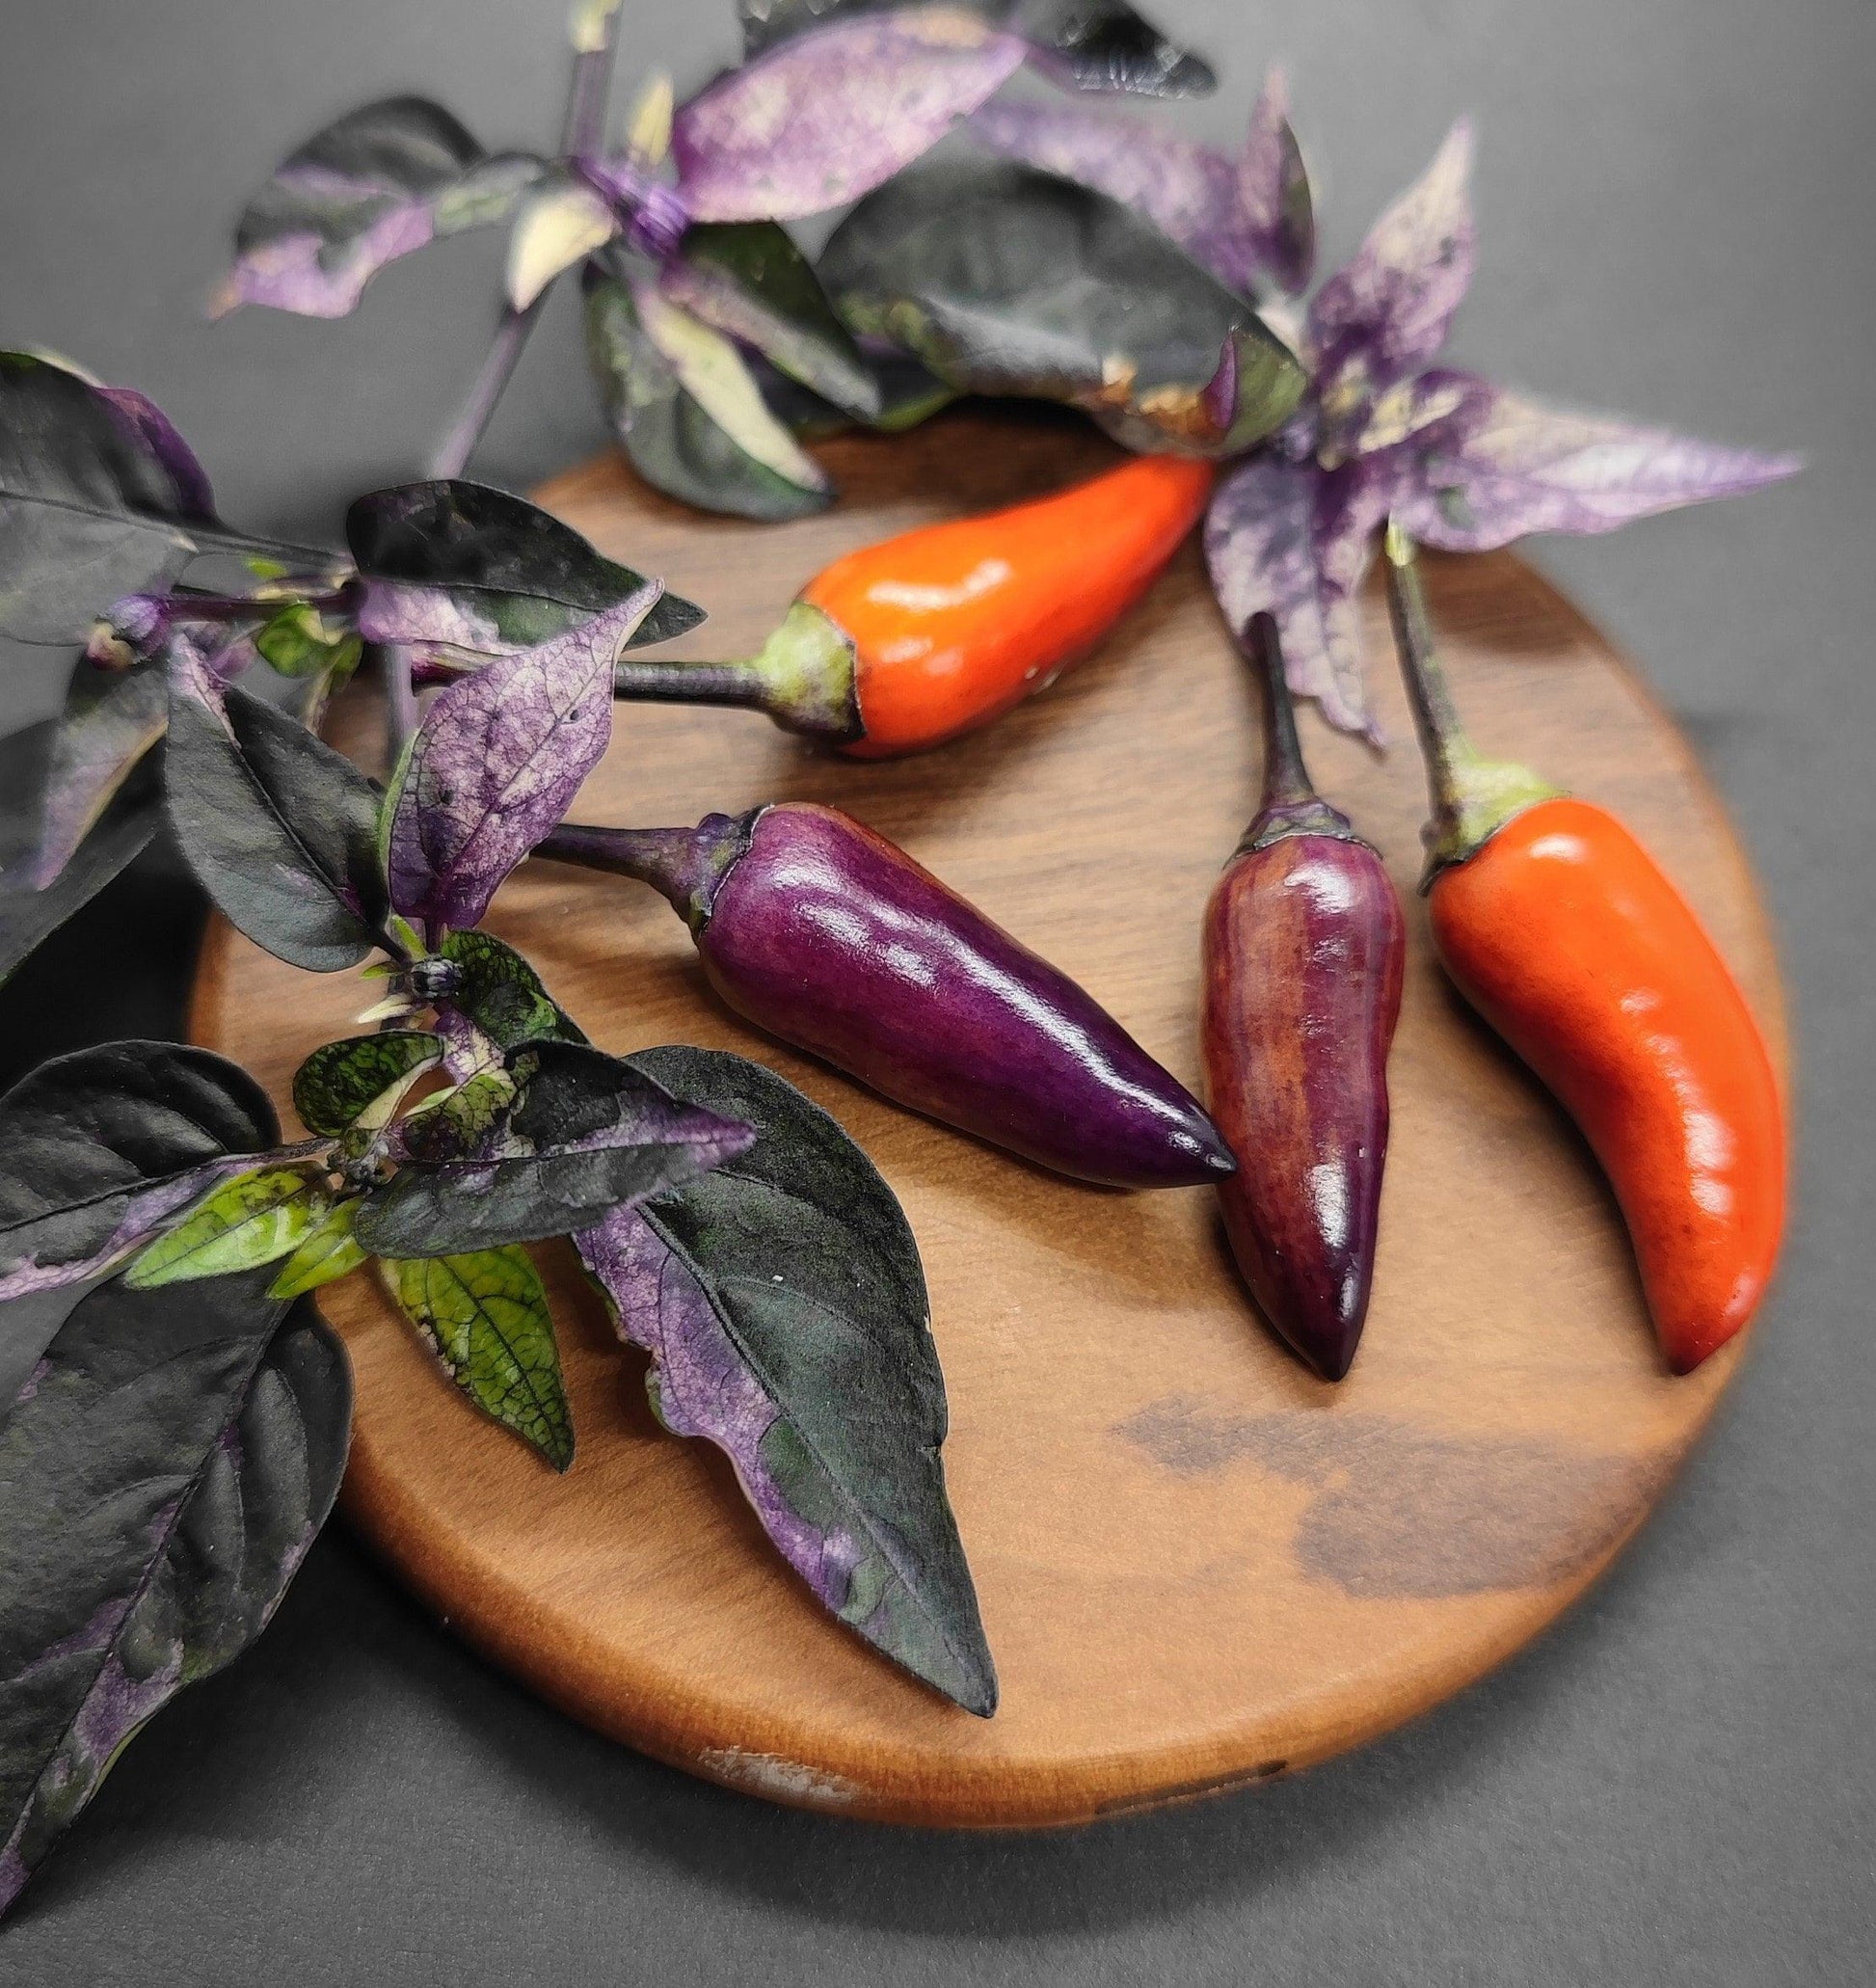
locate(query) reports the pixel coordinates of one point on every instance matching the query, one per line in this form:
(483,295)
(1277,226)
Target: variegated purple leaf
(159,435)
(1246,219)
(782,1299)
(110,720)
(1509,468)
(497,763)
(1277,208)
(1293,540)
(98,1148)
(1386,314)
(1082,44)
(826,117)
(380,183)
(539,1145)
(167,1465)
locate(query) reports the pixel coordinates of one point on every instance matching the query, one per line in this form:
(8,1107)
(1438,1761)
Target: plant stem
(191,606)
(401,714)
(1435,717)
(1472,796)
(581,129)
(452,454)
(686,866)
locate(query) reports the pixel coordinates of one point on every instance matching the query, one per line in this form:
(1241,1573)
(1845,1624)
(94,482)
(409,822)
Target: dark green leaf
(748,278)
(675,442)
(161,1477)
(466,565)
(99,498)
(255,1218)
(784,1304)
(501,995)
(1003,279)
(281,830)
(908,394)
(111,719)
(573,1132)
(485,1315)
(28,915)
(339,1082)
(99,1148)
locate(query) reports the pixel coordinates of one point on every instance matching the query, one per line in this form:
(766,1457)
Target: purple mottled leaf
(1274,194)
(110,720)
(783,1302)
(98,1148)
(1509,468)
(1386,314)
(826,117)
(165,1467)
(1083,45)
(1246,219)
(537,1147)
(497,763)
(1293,540)
(460,564)
(380,183)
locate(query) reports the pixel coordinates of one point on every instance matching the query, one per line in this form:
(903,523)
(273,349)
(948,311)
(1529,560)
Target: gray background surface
(1677,1784)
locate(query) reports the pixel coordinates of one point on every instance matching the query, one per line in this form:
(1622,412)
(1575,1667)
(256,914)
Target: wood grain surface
(1198,1565)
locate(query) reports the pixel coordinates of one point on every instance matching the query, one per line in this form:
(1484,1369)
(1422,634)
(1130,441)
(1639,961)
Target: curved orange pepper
(953,623)
(1564,933)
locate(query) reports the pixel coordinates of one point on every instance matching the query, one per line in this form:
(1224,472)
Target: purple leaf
(1293,540)
(497,762)
(1277,209)
(830,116)
(784,1303)
(381,182)
(1509,467)
(1386,314)
(1245,219)
(701,1385)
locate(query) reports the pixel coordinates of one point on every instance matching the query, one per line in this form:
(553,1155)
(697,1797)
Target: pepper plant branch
(581,131)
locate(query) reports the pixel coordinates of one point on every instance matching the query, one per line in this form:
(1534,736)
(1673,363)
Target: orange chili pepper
(1569,938)
(913,642)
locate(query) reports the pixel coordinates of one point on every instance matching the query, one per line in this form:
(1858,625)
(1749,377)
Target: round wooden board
(1198,1565)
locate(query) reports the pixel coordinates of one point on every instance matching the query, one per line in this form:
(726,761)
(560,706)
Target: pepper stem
(685,866)
(804,677)
(1290,803)
(1472,796)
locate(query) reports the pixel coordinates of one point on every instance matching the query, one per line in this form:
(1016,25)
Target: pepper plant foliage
(698,298)
(178,1443)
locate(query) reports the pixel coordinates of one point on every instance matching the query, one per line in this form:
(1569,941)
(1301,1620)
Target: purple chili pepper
(1304,951)
(832,938)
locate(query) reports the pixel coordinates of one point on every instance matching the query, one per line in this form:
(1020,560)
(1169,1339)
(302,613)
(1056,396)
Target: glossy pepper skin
(915,640)
(1302,957)
(829,936)
(1569,938)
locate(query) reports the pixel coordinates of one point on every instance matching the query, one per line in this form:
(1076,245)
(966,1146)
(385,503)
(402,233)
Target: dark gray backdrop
(1676,1784)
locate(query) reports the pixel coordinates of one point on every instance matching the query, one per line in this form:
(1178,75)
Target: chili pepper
(1564,933)
(911,642)
(832,938)
(1303,949)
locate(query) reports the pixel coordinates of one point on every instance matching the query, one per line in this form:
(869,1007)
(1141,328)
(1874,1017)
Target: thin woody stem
(581,129)
(642,681)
